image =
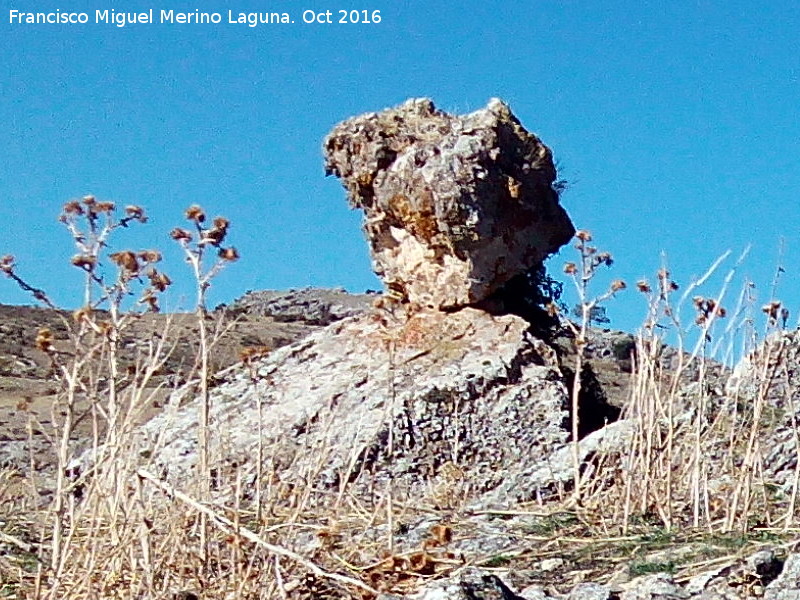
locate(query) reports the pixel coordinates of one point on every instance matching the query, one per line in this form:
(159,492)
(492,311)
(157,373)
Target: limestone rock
(310,306)
(769,376)
(787,585)
(658,586)
(589,591)
(453,407)
(470,584)
(454,206)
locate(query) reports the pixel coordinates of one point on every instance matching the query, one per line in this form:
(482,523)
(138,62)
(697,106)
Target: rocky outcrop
(310,306)
(454,206)
(470,584)
(457,408)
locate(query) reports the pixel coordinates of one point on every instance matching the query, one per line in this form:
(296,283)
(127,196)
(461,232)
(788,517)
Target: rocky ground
(488,552)
(263,319)
(257,320)
(547,554)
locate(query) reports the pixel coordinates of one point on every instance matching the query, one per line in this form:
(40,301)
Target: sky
(675,124)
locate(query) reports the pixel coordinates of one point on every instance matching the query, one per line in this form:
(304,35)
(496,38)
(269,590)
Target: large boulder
(454,206)
(461,408)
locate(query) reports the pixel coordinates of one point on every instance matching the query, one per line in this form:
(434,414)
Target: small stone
(551,564)
(589,591)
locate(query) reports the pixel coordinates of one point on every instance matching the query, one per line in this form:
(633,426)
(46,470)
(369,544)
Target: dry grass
(691,475)
(695,458)
(101,524)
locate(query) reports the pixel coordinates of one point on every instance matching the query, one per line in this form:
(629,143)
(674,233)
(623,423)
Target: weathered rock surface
(786,584)
(451,406)
(470,584)
(311,306)
(454,206)
(28,385)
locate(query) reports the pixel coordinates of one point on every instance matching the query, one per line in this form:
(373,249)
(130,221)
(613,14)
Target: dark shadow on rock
(526,296)
(594,410)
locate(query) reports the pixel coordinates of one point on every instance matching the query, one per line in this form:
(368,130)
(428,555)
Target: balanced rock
(454,206)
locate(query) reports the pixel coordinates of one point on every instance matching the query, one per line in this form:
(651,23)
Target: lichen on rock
(454,206)
(471,404)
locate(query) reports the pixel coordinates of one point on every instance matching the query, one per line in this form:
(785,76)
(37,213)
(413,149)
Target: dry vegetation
(687,493)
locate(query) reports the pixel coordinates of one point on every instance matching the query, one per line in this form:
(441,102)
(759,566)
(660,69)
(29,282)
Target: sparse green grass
(500,560)
(548,525)
(639,568)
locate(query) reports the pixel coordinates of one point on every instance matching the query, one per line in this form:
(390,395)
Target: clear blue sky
(677,124)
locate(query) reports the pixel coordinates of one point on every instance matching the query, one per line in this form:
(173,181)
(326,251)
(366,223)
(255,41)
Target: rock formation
(454,206)
(473,404)
(310,306)
(448,416)
(461,404)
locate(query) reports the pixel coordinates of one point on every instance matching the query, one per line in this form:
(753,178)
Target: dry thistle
(180,235)
(7,264)
(706,308)
(604,258)
(135,212)
(105,207)
(643,286)
(221,223)
(213,236)
(84,261)
(82,313)
(126,260)
(229,254)
(195,213)
(44,340)
(89,200)
(570,268)
(618,285)
(159,281)
(772,309)
(149,256)
(73,207)
(583,235)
